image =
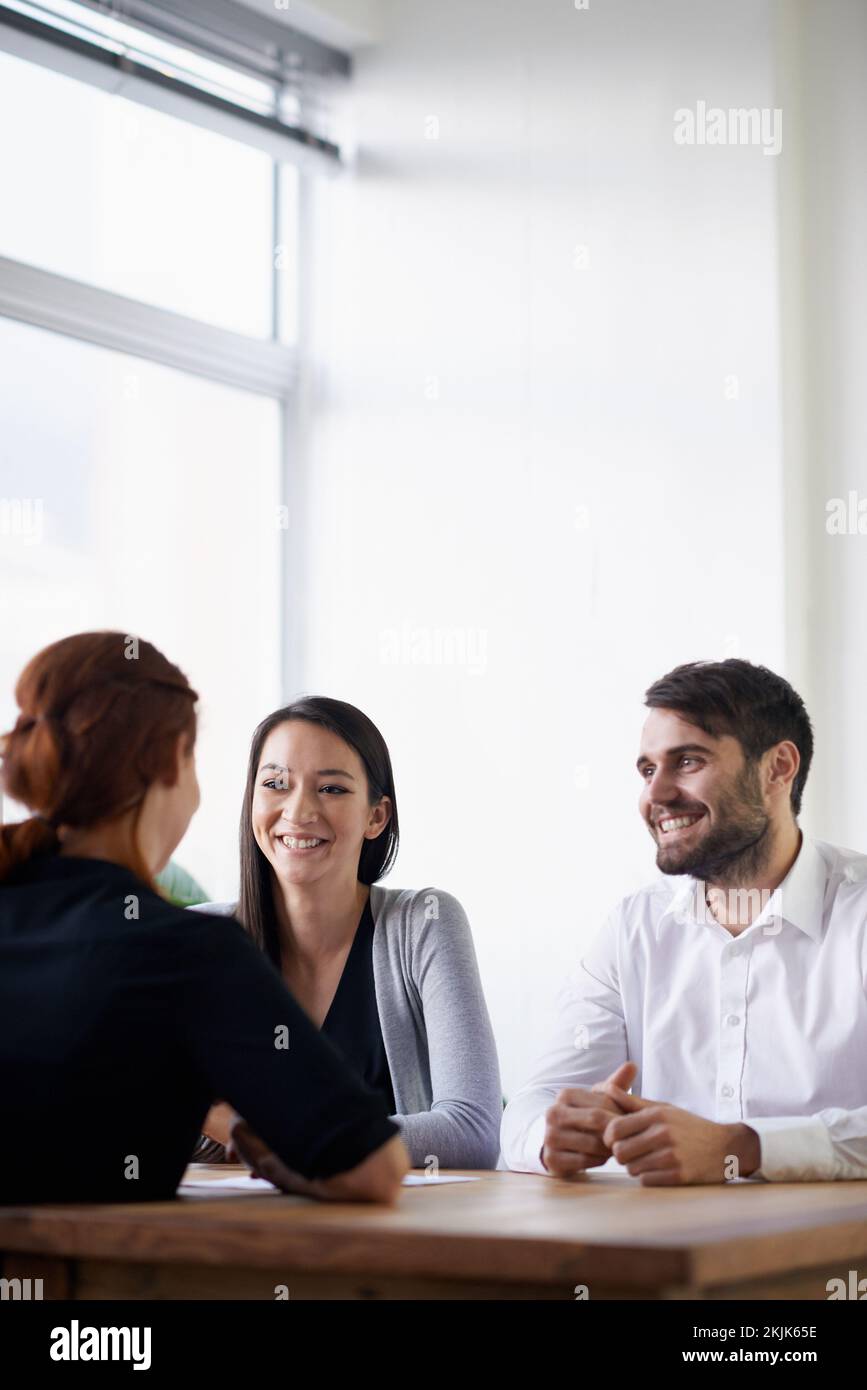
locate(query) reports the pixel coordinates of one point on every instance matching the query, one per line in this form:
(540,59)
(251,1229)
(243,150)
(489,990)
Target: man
(732,994)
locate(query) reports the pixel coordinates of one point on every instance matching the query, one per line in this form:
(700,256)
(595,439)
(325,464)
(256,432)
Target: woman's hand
(246,1147)
(218,1123)
(377,1178)
(224,1124)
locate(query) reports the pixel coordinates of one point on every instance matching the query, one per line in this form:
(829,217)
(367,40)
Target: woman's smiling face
(311,808)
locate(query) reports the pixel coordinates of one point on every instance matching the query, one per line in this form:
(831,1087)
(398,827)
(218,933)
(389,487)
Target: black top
(122,1018)
(352,1022)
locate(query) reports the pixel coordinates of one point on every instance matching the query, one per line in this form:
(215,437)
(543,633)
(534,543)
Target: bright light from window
(108,191)
(143,499)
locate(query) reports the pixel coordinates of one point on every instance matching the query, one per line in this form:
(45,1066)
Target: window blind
(217,51)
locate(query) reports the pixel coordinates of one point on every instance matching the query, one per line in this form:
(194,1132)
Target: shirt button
(727,1091)
(732,1019)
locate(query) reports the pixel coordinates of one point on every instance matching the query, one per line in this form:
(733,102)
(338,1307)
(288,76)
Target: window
(148,501)
(134,201)
(149,335)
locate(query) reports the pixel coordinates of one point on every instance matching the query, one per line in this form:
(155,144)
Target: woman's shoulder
(417,909)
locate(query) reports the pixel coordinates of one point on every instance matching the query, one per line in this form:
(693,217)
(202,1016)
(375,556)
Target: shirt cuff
(529,1160)
(793,1149)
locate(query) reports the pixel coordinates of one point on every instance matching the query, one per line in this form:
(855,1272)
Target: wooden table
(509,1235)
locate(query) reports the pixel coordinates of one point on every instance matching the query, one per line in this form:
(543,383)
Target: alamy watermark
(736,125)
(854,1287)
(22,517)
(77,1343)
(435,646)
(731,907)
(20,1290)
(846,516)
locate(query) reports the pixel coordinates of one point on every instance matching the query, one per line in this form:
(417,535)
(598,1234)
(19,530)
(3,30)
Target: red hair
(101,713)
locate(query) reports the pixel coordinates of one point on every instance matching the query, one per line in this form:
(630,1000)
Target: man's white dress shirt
(768,1027)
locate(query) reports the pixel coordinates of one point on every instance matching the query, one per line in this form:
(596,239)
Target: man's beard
(739,846)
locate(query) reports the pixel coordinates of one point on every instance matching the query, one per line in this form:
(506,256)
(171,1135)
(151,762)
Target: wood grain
(508,1230)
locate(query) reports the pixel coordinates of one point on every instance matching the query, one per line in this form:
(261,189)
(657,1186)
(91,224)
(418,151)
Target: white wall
(536,456)
(825,71)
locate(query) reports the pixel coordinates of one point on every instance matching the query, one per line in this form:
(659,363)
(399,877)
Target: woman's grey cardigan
(435,1026)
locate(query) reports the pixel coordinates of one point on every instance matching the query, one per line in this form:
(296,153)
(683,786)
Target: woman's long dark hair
(256,904)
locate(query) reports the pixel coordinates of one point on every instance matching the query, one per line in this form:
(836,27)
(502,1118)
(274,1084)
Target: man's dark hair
(751,703)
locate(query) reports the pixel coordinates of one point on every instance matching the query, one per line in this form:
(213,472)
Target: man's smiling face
(700,799)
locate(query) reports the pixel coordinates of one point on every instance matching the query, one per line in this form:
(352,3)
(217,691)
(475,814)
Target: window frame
(107,319)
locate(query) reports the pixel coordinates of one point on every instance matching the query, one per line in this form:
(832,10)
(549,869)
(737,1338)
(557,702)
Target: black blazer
(122,1018)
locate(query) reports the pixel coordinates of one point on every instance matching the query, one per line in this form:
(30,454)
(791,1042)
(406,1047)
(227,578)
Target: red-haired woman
(123,1018)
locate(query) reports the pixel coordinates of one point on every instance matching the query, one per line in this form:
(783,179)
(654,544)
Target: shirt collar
(799,899)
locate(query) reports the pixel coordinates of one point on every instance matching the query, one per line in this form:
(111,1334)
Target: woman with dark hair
(389,975)
(121,1017)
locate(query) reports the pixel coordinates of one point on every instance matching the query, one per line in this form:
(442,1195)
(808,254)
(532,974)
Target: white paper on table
(245,1182)
(416,1180)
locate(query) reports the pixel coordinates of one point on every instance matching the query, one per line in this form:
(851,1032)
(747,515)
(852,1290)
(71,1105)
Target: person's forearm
(456,1137)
